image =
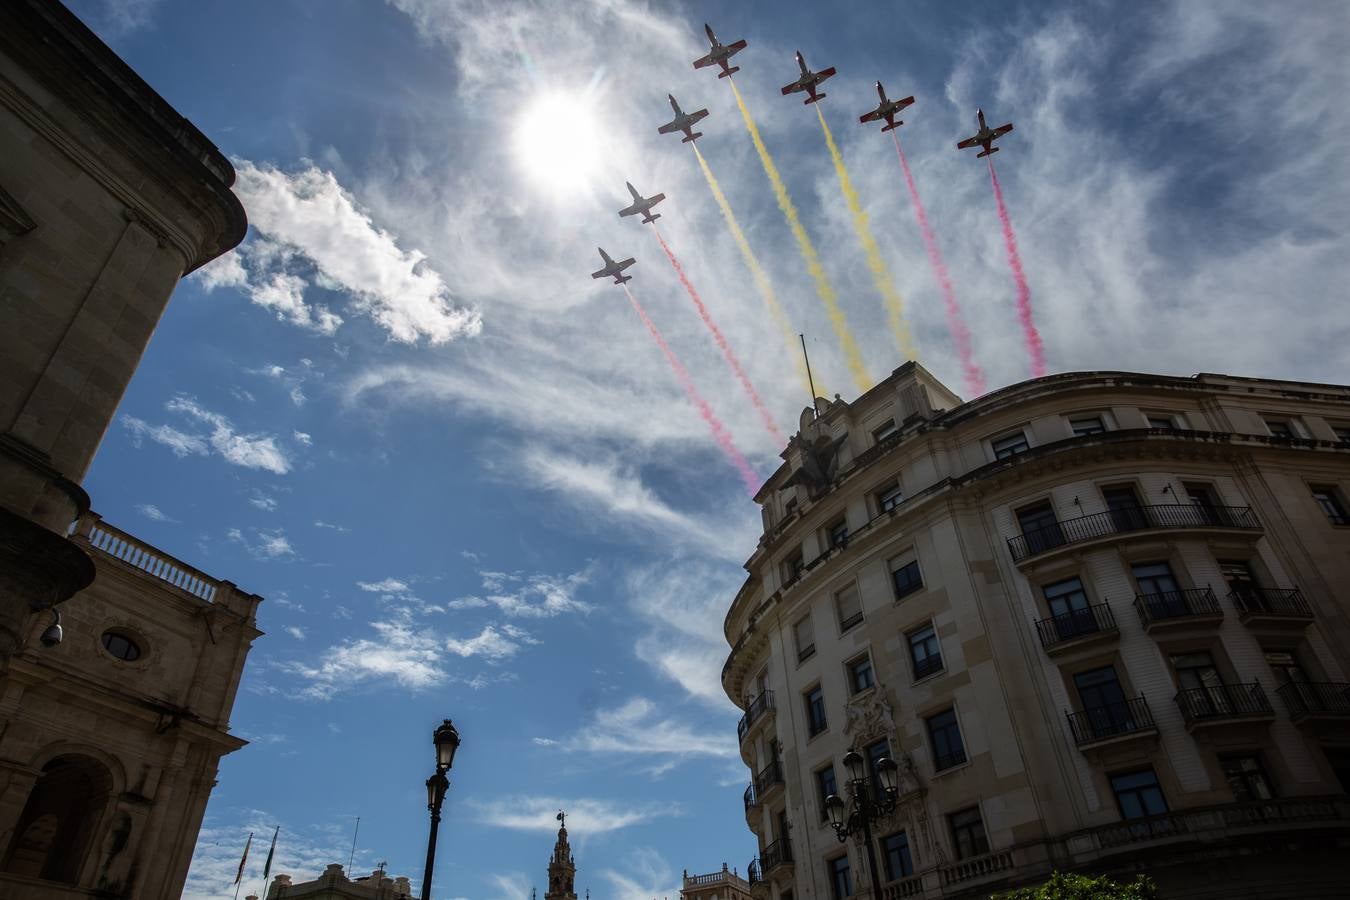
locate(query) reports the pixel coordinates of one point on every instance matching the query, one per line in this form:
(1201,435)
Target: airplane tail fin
(693,137)
(816,99)
(729,71)
(988,152)
(891,126)
(620,279)
(649,218)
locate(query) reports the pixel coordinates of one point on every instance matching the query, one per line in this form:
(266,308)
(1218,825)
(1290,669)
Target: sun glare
(558,142)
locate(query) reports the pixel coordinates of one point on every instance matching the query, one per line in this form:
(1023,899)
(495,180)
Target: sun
(558,142)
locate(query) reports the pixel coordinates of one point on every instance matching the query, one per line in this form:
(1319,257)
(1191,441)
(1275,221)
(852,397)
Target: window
(1161,421)
(815,711)
(1084,425)
(968,833)
(1203,692)
(888,498)
(1238,575)
(1138,794)
(1246,777)
(806,639)
(837,533)
(1104,706)
(1280,428)
(1286,667)
(885,430)
(1329,499)
(1040,528)
(793,566)
(841,880)
(121,646)
(848,605)
(790,507)
(945,734)
(925,652)
(895,850)
(1156,582)
(828,787)
(1009,445)
(906,577)
(1122,503)
(860,676)
(1206,502)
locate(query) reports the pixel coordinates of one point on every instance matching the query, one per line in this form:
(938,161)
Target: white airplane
(642,205)
(808,81)
(985,137)
(613,269)
(719,54)
(886,109)
(683,122)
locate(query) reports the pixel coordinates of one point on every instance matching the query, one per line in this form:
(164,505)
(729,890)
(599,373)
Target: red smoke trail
(727,352)
(1029,332)
(719,431)
(956,322)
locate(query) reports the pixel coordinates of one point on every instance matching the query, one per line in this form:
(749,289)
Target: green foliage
(1062,886)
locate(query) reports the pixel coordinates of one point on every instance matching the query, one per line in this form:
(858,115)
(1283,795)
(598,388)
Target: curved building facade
(1099,619)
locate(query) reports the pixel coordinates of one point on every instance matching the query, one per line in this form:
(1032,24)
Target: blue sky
(462,475)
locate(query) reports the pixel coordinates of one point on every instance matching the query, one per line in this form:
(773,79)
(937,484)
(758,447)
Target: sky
(464,476)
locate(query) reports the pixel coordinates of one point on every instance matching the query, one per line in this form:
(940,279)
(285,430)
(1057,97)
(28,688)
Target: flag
(267,867)
(238,876)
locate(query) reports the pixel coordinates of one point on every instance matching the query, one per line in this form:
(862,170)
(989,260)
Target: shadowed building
(109,740)
(334,885)
(1098,619)
(723,885)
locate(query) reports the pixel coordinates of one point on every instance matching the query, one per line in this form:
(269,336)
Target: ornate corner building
(1099,619)
(109,737)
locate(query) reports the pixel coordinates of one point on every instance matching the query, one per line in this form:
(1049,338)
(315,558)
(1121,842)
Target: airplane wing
(824,73)
(704,61)
(668,128)
(696,116)
(1003,129)
(737,47)
(625,263)
(629,210)
(601,274)
(657,199)
(967,143)
(871,116)
(793,88)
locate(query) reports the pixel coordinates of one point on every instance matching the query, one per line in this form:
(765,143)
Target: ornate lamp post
(446,739)
(864,806)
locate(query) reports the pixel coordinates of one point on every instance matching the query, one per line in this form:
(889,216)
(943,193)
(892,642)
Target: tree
(1067,886)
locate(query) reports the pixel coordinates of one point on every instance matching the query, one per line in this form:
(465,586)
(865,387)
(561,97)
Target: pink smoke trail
(1029,333)
(956,322)
(719,431)
(722,343)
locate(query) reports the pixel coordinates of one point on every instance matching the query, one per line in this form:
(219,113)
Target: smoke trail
(1029,333)
(956,322)
(719,431)
(881,275)
(761,279)
(823,287)
(722,344)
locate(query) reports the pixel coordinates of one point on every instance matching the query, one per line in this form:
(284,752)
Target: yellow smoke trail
(823,287)
(881,275)
(756,272)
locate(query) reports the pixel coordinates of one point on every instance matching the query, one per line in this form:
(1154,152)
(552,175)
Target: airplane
(719,54)
(683,122)
(886,110)
(612,268)
(808,81)
(642,205)
(985,137)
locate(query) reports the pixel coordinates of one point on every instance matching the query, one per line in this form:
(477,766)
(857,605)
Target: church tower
(562,868)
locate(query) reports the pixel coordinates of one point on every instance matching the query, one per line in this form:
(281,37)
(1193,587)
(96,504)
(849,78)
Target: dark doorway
(54,833)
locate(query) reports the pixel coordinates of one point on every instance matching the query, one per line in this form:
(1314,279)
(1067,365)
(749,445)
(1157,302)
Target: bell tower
(562,868)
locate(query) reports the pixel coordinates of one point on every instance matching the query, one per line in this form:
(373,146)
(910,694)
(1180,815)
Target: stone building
(1099,620)
(110,739)
(724,885)
(334,885)
(562,867)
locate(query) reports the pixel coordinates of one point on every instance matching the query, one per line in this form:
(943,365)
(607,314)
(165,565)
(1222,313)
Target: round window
(121,646)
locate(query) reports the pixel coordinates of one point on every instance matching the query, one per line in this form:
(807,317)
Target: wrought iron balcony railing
(768,777)
(1315,698)
(754,873)
(1194,602)
(751,798)
(757,708)
(1111,720)
(776,854)
(1076,623)
(1287,603)
(927,666)
(1131,518)
(944,761)
(1223,701)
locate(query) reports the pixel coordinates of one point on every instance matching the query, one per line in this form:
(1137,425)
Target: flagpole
(239,876)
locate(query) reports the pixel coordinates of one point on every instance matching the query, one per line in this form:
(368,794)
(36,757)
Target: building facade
(724,885)
(1099,620)
(110,737)
(333,884)
(562,867)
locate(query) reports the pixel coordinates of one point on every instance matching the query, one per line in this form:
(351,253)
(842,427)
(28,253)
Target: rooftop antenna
(809,380)
(355,832)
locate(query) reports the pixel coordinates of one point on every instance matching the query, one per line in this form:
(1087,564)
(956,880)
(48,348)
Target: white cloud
(284,294)
(494,643)
(181,443)
(224,271)
(585,815)
(296,632)
(263,501)
(387,586)
(511,886)
(313,216)
(529,596)
(252,451)
(303,438)
(397,651)
(154,513)
(341,529)
(264,544)
(637,727)
(544,742)
(648,876)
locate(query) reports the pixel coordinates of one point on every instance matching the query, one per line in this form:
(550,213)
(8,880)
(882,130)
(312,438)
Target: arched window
(55,832)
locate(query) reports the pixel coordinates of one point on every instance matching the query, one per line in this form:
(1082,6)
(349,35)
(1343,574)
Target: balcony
(758,708)
(754,873)
(1077,627)
(1196,606)
(769,778)
(776,855)
(751,799)
(1213,824)
(977,867)
(1310,700)
(1223,704)
(905,887)
(1126,521)
(1112,723)
(1272,608)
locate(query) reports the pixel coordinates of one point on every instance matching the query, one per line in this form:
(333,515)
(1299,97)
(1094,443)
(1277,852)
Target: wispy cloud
(640,727)
(585,815)
(511,886)
(251,451)
(399,652)
(264,544)
(682,603)
(647,875)
(529,596)
(181,443)
(494,643)
(265,502)
(154,513)
(296,632)
(341,529)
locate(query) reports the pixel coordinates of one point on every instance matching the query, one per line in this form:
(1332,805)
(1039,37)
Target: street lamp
(864,807)
(446,739)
